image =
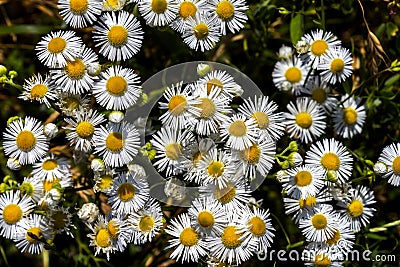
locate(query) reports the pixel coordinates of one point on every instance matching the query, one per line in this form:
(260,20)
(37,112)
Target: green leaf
(296,28)
(25,29)
(392,80)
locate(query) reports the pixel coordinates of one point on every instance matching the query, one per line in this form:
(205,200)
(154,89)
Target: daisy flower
(349,117)
(74,77)
(80,13)
(60,220)
(13,164)
(51,167)
(118,88)
(32,187)
(390,156)
(331,155)
(322,257)
(320,91)
(128,193)
(104,180)
(56,48)
(187,8)
(32,234)
(180,109)
(188,244)
(290,75)
(201,32)
(101,238)
(118,144)
(229,13)
(285,52)
(220,79)
(320,225)
(39,89)
(13,209)
(25,141)
(114,5)
(336,65)
(207,215)
(69,103)
(305,120)
(158,12)
(239,132)
(357,211)
(264,112)
(118,34)
(119,230)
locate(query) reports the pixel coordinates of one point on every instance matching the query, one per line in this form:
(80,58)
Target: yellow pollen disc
(75,69)
(177,105)
(200,31)
(36,231)
(116,85)
(38,91)
(334,239)
(261,119)
(49,164)
(111,3)
(304,120)
(114,142)
(230,238)
(293,75)
(189,237)
(117,35)
(48,185)
(319,221)
(322,260)
(146,223)
(106,181)
(303,178)
(257,226)
(355,208)
(71,103)
(318,47)
(205,219)
(396,165)
(319,95)
(25,140)
(251,154)
(215,169)
(78,6)
(103,238)
(12,213)
(126,192)
(207,107)
(226,194)
(337,65)
(238,128)
(59,219)
(187,9)
(113,229)
(159,6)
(309,201)
(225,10)
(214,83)
(84,129)
(330,161)
(350,116)
(173,151)
(56,45)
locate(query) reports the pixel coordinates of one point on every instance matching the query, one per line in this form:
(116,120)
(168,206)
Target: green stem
(3,254)
(322,15)
(283,230)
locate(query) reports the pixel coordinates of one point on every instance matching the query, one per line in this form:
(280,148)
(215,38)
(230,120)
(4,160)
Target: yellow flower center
(56,45)
(322,260)
(309,201)
(201,31)
(75,69)
(396,165)
(116,85)
(225,194)
(214,83)
(84,129)
(207,107)
(318,47)
(111,4)
(114,142)
(319,95)
(230,238)
(48,185)
(257,226)
(189,237)
(71,103)
(293,75)
(25,140)
(117,35)
(261,119)
(36,231)
(251,154)
(225,10)
(49,164)
(177,105)
(159,6)
(12,213)
(146,223)
(187,9)
(319,221)
(106,181)
(304,120)
(350,116)
(78,6)
(173,151)
(126,192)
(215,169)
(113,229)
(38,91)
(103,238)
(205,219)
(355,208)
(334,239)
(59,218)
(337,65)
(238,128)
(303,178)
(330,161)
